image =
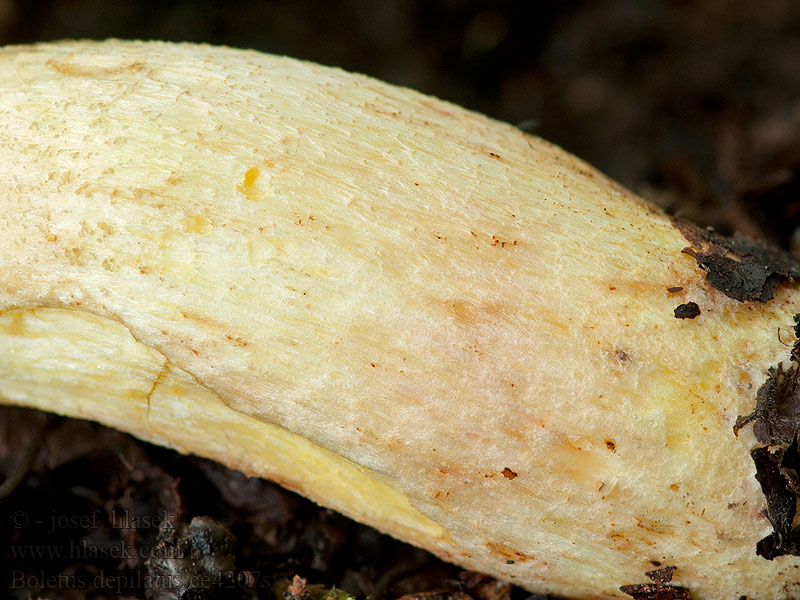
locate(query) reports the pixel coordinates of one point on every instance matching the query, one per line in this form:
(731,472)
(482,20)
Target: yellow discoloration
(247,187)
(197,224)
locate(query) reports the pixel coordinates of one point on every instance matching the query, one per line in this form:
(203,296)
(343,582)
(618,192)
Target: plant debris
(192,561)
(296,590)
(776,417)
(655,591)
(742,269)
(437,595)
(776,423)
(778,481)
(689,310)
(663,575)
(660,590)
(299,589)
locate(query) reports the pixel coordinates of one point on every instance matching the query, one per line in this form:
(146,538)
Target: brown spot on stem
(622,356)
(508,473)
(690,310)
(506,552)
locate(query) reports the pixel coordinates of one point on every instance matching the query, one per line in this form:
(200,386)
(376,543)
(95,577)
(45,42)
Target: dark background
(694,104)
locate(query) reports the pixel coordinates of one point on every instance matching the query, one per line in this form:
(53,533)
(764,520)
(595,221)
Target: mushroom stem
(428,320)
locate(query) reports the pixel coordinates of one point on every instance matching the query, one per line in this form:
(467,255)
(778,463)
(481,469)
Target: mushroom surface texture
(428,320)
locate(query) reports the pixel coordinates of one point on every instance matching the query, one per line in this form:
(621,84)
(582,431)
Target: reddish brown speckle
(509,474)
(611,445)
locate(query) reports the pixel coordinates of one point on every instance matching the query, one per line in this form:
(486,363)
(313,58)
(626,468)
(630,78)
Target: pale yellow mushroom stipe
(428,320)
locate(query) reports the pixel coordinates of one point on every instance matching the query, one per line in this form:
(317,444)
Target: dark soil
(695,105)
(98,513)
